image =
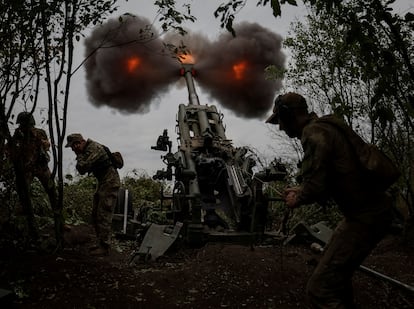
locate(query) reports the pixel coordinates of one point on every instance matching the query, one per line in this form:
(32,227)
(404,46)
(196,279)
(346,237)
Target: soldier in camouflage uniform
(92,158)
(29,152)
(330,169)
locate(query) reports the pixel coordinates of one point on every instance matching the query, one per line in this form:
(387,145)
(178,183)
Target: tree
(38,39)
(38,42)
(359,70)
(17,80)
(62,24)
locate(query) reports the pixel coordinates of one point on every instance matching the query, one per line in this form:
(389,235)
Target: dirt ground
(217,275)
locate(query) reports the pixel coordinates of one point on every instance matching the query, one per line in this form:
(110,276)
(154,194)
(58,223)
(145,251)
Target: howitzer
(215,188)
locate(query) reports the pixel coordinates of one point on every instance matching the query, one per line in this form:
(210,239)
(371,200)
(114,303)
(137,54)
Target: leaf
(229,25)
(276,8)
(409,17)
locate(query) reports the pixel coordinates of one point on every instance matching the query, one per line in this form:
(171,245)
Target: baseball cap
(286,101)
(72,138)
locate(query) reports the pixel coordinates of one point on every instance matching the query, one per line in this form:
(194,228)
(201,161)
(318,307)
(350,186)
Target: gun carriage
(216,190)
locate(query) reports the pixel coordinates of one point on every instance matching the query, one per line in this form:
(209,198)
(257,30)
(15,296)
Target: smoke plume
(233,72)
(127,70)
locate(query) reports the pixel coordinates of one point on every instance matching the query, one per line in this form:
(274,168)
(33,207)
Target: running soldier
(330,169)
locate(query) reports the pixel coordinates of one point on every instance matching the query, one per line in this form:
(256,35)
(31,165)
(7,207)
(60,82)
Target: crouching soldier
(92,158)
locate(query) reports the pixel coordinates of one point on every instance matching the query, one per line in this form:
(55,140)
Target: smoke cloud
(233,73)
(230,69)
(127,68)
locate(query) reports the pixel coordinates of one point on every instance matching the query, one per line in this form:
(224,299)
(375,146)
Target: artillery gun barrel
(204,125)
(188,75)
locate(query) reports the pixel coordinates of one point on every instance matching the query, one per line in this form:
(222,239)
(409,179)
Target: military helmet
(25,119)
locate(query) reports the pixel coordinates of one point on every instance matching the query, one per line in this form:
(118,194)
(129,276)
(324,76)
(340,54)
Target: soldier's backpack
(115,157)
(379,167)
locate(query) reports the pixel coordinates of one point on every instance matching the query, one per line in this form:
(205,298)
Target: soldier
(29,152)
(92,158)
(331,169)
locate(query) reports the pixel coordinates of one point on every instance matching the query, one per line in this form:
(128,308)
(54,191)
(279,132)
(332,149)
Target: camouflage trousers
(24,179)
(104,202)
(330,285)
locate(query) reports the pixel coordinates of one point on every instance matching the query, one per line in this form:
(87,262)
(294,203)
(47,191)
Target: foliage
(227,11)
(361,76)
(8,196)
(37,49)
(354,58)
(326,69)
(79,193)
(171,18)
(378,43)
(13,219)
(78,199)
(142,188)
(38,39)
(310,214)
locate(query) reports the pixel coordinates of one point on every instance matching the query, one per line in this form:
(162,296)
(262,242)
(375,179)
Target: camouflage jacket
(31,146)
(330,169)
(95,160)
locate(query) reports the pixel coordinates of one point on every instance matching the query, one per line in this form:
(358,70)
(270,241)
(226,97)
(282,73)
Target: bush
(78,195)
(78,199)
(309,214)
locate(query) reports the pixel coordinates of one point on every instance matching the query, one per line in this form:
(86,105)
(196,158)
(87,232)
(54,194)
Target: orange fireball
(239,70)
(186,58)
(132,64)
